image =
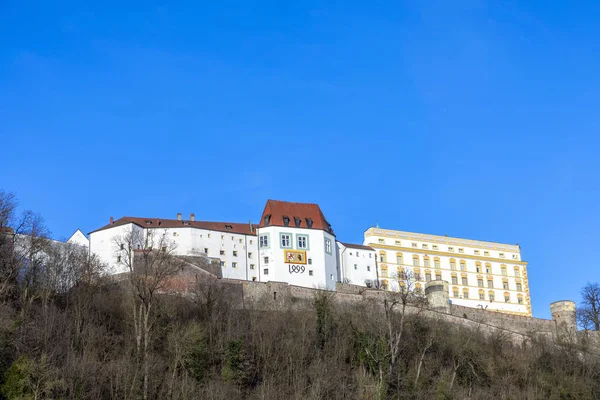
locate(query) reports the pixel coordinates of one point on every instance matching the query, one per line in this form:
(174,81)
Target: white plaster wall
(102,244)
(357,265)
(323,267)
(79,238)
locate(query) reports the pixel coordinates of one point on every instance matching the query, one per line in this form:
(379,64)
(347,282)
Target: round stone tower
(437,296)
(563,314)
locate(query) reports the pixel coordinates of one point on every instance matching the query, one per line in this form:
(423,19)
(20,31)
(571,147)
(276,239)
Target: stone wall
(516,323)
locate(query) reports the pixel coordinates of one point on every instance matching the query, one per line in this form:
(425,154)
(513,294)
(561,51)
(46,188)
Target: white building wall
(358,266)
(320,273)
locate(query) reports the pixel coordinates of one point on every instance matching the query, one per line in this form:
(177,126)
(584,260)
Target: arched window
(454,279)
(478,266)
(426,261)
(488,268)
(491,296)
(481,294)
(384,270)
(382,256)
(436,262)
(520,298)
(506,297)
(399,258)
(415,260)
(505,284)
(452,264)
(503,269)
(463,265)
(401,273)
(438,275)
(465,293)
(455,291)
(479,281)
(427,275)
(517,272)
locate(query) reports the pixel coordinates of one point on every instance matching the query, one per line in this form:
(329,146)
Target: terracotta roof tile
(276,211)
(231,227)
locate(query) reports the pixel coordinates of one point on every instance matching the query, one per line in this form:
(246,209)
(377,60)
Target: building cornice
(444,253)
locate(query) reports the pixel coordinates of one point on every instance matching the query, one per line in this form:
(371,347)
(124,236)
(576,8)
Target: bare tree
(588,312)
(8,265)
(148,257)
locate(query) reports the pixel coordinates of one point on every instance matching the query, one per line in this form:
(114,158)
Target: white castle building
(294,243)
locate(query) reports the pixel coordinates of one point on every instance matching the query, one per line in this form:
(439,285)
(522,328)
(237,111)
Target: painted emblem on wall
(294,257)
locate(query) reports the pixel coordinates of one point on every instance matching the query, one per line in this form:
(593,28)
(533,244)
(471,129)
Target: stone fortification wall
(517,323)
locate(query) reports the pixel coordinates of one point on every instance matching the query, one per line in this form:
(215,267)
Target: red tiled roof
(231,227)
(357,246)
(276,210)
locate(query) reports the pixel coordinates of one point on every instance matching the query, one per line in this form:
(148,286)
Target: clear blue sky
(475,119)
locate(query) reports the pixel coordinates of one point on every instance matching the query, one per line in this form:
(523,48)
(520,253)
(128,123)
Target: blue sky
(475,119)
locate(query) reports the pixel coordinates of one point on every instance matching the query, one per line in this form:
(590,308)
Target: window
(435,247)
(286,221)
(368,268)
(414,245)
(209,235)
(235,253)
(481,295)
(517,272)
(228,227)
(328,246)
(427,276)
(380,240)
(310,272)
(464,281)
(297,222)
(519,287)
(492,297)
(350,253)
(455,280)
(418,289)
(450,248)
(357,254)
(486,253)
(424,246)
(436,262)
(285,240)
(263,241)
(266,271)
(515,257)
(416,261)
(476,252)
(118,259)
(418,276)
(266,260)
(309,223)
(401,273)
(490,283)
(240,240)
(501,255)
(222,237)
(452,264)
(355,266)
(384,271)
(503,269)
(480,282)
(399,259)
(382,257)
(222,252)
(370,255)
(302,242)
(205,250)
(250,255)
(463,266)
(233,265)
(506,297)
(438,276)
(310,261)
(398,243)
(426,261)
(222,264)
(251,266)
(465,293)
(455,292)
(504,285)
(478,268)
(520,298)
(250,240)
(122,246)
(487,269)
(460,250)
(267,220)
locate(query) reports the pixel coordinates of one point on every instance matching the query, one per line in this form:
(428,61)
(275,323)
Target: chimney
(192,217)
(178,216)
(251,227)
(112,220)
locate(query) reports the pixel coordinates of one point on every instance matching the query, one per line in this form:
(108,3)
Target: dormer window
(286,221)
(297,222)
(267,219)
(309,223)
(228,227)
(148,222)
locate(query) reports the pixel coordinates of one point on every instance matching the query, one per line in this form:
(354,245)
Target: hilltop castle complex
(294,243)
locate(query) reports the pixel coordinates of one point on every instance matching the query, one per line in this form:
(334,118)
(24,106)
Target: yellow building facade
(480,274)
